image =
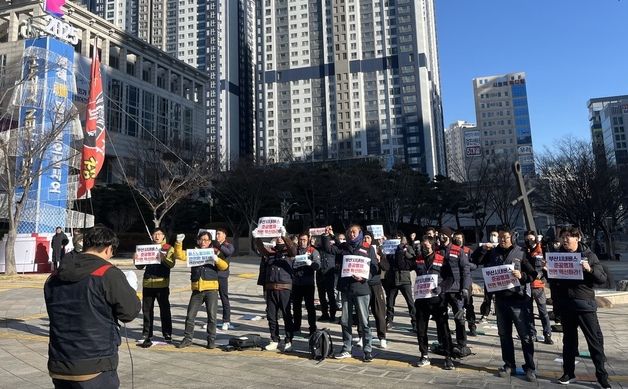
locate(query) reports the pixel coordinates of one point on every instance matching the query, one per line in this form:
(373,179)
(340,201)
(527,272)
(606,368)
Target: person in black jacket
(576,302)
(58,243)
(456,276)
(223,278)
(303,283)
(514,306)
(85,299)
(377,301)
(355,290)
(278,286)
(325,283)
(430,262)
(398,279)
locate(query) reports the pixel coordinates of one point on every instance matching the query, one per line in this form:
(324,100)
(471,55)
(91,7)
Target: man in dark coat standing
(59,241)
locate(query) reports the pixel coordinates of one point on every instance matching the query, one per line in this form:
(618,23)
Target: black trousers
(454,300)
(223,292)
(470,312)
(378,309)
(588,323)
(210,298)
(279,301)
(104,380)
(326,293)
(149,295)
(299,294)
(406,292)
(424,309)
(518,313)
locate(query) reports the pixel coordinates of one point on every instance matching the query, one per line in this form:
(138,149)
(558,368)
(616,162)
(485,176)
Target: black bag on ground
(245,341)
(321,345)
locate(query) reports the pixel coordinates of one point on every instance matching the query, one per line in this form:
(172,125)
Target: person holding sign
(534,252)
(326,284)
(576,301)
(429,301)
(513,306)
(156,286)
(358,266)
(399,280)
(204,283)
(277,270)
(307,261)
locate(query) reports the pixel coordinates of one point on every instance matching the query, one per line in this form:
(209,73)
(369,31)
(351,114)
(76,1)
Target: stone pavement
(24,331)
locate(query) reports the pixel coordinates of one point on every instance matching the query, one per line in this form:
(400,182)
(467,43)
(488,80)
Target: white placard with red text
(147,254)
(565,266)
(317,231)
(355,265)
(423,286)
(498,278)
(268,227)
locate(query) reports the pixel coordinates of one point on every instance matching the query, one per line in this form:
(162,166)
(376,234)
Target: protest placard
(268,227)
(390,246)
(300,261)
(199,257)
(423,286)
(565,266)
(355,265)
(377,230)
(317,231)
(212,232)
(147,254)
(498,278)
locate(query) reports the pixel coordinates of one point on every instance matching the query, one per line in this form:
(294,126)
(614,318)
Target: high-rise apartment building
(501,109)
(462,146)
(339,79)
(607,116)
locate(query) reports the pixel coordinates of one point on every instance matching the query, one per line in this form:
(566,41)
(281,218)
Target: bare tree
(579,190)
(166,176)
(24,150)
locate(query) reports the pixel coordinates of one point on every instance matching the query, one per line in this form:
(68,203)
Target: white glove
(308,262)
(283,231)
(254,233)
(180,237)
(131,278)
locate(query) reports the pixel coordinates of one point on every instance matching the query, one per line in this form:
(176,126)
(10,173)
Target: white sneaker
(272,346)
(359,343)
(383,343)
(287,347)
(226,326)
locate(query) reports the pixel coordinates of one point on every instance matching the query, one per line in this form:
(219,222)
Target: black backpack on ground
(321,345)
(245,341)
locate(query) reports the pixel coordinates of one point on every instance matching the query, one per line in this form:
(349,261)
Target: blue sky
(571,51)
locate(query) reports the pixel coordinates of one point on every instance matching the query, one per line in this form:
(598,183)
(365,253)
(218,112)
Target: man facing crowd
(85,299)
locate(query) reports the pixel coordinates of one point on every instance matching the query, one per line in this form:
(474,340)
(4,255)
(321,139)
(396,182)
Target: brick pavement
(24,330)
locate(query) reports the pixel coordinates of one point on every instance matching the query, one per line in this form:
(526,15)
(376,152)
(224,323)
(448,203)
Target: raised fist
(180,237)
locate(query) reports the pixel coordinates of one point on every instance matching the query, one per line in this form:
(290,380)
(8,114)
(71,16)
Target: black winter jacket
(513,255)
(349,284)
(85,299)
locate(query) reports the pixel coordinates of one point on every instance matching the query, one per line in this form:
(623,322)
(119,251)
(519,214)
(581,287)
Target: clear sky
(571,51)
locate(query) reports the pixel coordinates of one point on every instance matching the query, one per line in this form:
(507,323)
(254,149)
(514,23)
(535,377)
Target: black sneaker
(211,344)
(449,364)
(473,331)
(565,379)
(146,343)
(530,375)
(423,361)
(505,372)
(604,383)
(548,339)
(186,342)
(168,338)
(368,357)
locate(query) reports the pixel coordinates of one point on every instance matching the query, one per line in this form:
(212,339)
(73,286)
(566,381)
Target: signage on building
(521,150)
(45,100)
(49,26)
(472,143)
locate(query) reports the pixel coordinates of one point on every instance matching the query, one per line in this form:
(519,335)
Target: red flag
(93,156)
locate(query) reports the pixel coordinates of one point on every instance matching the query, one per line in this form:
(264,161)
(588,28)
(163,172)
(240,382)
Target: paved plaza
(24,341)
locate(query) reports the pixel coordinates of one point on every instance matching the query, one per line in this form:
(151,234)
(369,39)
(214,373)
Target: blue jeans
(361,304)
(518,312)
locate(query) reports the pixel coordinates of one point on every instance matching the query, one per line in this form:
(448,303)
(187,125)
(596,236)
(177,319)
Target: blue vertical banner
(45,107)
